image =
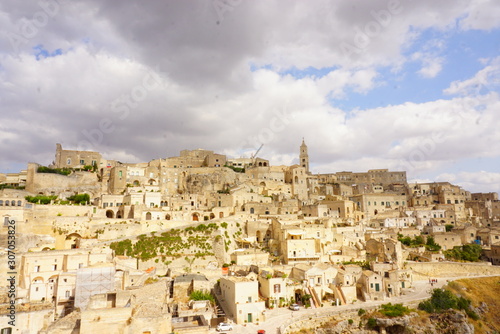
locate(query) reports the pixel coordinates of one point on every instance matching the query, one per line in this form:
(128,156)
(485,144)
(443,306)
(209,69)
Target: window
(82,162)
(277,288)
(68,162)
(36,269)
(67,294)
(54,267)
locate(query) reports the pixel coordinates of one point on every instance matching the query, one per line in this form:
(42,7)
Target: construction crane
(254,156)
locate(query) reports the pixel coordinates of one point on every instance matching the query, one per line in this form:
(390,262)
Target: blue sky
(169,76)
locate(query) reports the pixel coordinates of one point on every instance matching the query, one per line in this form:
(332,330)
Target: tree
(469,252)
(431,245)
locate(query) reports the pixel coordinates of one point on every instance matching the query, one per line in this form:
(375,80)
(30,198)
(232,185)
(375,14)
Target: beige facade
(241,298)
(76,159)
(276,290)
(375,204)
(371,286)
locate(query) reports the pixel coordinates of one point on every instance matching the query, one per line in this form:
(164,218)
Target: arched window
(19,203)
(1,202)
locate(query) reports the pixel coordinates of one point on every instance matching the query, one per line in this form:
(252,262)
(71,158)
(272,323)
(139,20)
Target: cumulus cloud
(480,181)
(483,82)
(140,81)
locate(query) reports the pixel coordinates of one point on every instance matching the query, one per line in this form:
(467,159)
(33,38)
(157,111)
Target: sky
(398,84)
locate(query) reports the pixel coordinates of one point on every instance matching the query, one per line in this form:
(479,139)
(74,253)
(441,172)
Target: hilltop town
(182,244)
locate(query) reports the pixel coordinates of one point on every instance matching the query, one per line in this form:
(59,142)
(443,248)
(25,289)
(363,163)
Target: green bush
(442,300)
(40,199)
(372,323)
(396,310)
(201,295)
(61,171)
(407,241)
(79,198)
(469,252)
(361,311)
(431,245)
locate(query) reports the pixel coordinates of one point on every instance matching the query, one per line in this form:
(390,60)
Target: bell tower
(304,157)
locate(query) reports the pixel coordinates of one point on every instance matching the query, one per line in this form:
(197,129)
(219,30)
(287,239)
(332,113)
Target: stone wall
(424,270)
(49,183)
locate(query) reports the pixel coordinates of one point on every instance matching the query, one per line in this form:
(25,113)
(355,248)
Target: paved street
(283,316)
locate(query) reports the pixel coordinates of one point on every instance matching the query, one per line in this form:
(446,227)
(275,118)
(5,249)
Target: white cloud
(481,14)
(209,97)
(483,81)
(481,181)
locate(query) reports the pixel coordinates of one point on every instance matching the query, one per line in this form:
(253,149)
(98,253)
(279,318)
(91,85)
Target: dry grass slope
(481,290)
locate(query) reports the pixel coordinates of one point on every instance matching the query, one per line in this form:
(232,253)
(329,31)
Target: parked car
(224,326)
(261,331)
(294,307)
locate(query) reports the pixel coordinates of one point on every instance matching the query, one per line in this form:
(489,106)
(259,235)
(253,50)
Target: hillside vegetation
(484,293)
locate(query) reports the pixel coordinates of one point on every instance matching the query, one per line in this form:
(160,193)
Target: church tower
(304,157)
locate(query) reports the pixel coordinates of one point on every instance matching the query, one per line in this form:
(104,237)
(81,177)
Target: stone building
(241,300)
(76,159)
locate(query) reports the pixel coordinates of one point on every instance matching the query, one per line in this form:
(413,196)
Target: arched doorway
(221,214)
(298,296)
(148,216)
(167,217)
(195,217)
(74,240)
(212,216)
(110,214)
